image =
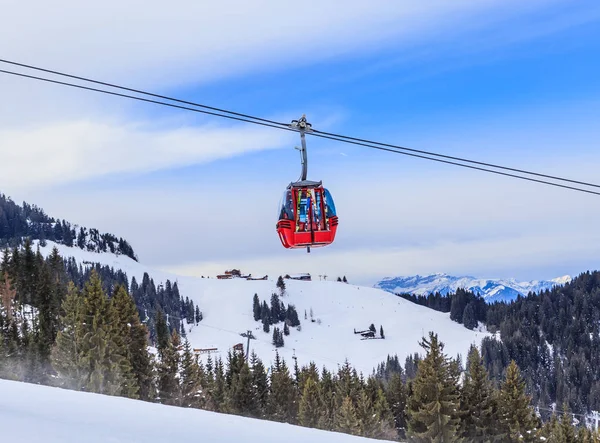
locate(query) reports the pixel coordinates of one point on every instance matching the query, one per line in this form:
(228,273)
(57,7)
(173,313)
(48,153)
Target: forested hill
(553,336)
(18,222)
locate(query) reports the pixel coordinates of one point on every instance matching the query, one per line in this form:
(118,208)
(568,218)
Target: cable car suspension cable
(273,124)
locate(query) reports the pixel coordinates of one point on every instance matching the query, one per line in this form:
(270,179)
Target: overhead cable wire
(343,139)
(460,164)
(284,125)
(139,91)
(492,165)
(88,88)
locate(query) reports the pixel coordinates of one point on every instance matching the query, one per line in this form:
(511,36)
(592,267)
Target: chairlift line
(218,112)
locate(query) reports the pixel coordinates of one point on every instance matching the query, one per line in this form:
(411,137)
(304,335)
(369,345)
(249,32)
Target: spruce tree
(286,330)
(240,392)
(396,398)
(162,331)
(190,378)
(433,406)
(218,393)
(255,308)
(259,386)
(310,404)
(515,413)
(67,353)
(283,403)
(281,285)
(568,430)
(100,351)
(346,420)
(478,403)
(169,389)
(275,308)
(125,319)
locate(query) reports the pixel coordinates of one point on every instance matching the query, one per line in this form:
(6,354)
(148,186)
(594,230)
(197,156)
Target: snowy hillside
(338,309)
(491,289)
(33,413)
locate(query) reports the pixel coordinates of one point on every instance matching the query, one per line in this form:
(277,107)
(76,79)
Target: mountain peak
(491,289)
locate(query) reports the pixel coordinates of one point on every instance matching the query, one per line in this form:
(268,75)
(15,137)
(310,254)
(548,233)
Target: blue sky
(493,81)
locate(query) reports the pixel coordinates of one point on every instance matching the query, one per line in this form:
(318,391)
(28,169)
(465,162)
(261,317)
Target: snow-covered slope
(491,289)
(33,413)
(227,310)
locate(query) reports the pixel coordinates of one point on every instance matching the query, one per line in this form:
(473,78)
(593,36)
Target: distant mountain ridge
(490,289)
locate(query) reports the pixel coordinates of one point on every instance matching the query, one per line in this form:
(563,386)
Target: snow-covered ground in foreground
(33,413)
(227,309)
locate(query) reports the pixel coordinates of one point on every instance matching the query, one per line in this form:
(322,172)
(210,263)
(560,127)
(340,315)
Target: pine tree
(169,389)
(286,330)
(217,392)
(260,386)
(199,315)
(516,415)
(125,319)
(346,420)
(162,331)
(100,352)
(283,404)
(67,353)
(310,404)
(275,308)
(240,392)
(381,334)
(568,430)
(281,285)
(478,403)
(291,316)
(191,387)
(396,397)
(277,337)
(468,319)
(256,308)
(433,406)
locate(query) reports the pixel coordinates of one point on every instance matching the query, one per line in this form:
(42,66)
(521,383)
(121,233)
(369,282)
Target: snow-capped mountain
(338,308)
(491,289)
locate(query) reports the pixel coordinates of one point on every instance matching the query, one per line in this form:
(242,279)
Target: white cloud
(191,41)
(64,152)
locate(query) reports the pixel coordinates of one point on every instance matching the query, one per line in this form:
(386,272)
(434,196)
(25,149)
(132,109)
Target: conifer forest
(90,329)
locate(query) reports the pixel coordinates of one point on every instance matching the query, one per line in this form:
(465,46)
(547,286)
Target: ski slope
(34,413)
(227,310)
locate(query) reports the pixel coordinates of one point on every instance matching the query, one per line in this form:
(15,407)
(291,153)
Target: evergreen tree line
(464,306)
(28,271)
(100,345)
(554,336)
(29,221)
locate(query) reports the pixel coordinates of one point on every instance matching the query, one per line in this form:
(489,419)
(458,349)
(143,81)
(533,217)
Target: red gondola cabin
(307,216)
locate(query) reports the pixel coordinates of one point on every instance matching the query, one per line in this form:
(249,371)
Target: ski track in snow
(34,413)
(226,306)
